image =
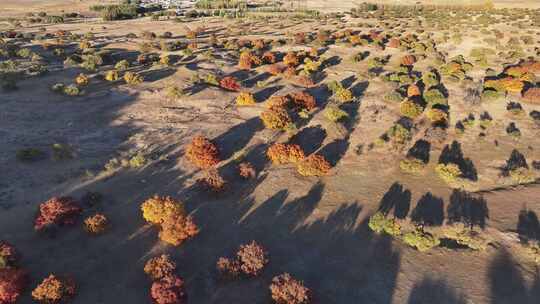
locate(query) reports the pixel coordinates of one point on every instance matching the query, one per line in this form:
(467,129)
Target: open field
(378,157)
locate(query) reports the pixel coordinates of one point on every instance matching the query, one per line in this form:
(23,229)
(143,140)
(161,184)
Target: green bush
(119,12)
(421,240)
(411,109)
(448,172)
(411,165)
(379,223)
(29,154)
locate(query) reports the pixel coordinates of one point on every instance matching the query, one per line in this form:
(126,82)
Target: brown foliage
(12,284)
(314,165)
(408,60)
(246,170)
(290,59)
(269,58)
(250,259)
(304,100)
(285,153)
(159,267)
(413,90)
(202,152)
(212,180)
(96,223)
(532,95)
(57,211)
(8,254)
(54,290)
(168,290)
(286,290)
(178,228)
(276,69)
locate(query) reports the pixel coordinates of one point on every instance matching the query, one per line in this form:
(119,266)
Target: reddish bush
(54,290)
(250,260)
(286,290)
(248,60)
(408,60)
(278,102)
(168,290)
(159,267)
(229,83)
(12,283)
(532,95)
(305,81)
(394,43)
(96,223)
(57,211)
(285,153)
(314,165)
(304,100)
(290,59)
(269,58)
(202,152)
(413,90)
(178,228)
(246,170)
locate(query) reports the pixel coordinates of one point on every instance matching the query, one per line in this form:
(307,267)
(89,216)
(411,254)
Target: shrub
(229,83)
(212,180)
(434,97)
(159,267)
(82,80)
(532,95)
(408,60)
(344,95)
(29,154)
(314,165)
(398,134)
(448,172)
(276,118)
(178,228)
(202,153)
(121,65)
(412,90)
(411,165)
(168,290)
(62,151)
(250,260)
(522,175)
(12,284)
(96,223)
(54,290)
(437,116)
(286,290)
(430,79)
(111,75)
(71,90)
(420,240)
(290,59)
(466,237)
(285,153)
(335,114)
(133,79)
(380,223)
(303,100)
(245,99)
(278,102)
(411,109)
(158,208)
(8,255)
(248,60)
(57,211)
(246,170)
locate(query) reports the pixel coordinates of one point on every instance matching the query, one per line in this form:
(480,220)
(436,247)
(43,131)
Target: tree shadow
(453,154)
(265,93)
(429,291)
(528,226)
(467,209)
(237,137)
(396,198)
(507,283)
(335,150)
(429,211)
(420,150)
(309,139)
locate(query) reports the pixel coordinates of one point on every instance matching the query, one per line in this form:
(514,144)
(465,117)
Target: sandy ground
(313,228)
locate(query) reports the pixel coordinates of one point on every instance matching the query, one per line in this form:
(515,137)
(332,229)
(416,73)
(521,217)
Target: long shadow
(467,209)
(429,211)
(237,137)
(309,139)
(430,291)
(507,282)
(396,198)
(528,226)
(420,150)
